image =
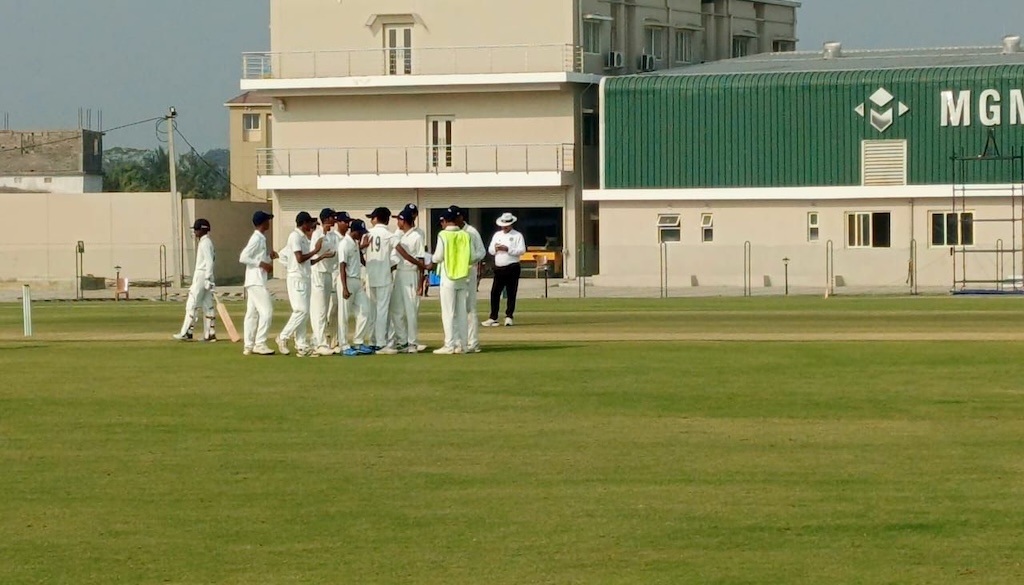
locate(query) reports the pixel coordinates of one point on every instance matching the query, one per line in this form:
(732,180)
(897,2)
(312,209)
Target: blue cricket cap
(261,216)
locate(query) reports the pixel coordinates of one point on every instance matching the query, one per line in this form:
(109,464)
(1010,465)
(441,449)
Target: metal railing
(414,61)
(406,160)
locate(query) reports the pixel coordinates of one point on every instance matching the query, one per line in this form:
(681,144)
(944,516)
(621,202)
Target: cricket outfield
(769,440)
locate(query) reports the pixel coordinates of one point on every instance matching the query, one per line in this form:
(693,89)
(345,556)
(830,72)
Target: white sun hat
(506,220)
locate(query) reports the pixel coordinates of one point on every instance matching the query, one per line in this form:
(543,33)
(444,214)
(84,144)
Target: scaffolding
(973,177)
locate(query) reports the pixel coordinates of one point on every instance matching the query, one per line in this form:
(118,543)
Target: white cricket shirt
(413,243)
(205,257)
(252,255)
(330,265)
(515,243)
(378,256)
(298,242)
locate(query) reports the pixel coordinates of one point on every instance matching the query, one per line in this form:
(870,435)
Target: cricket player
(354,300)
(325,266)
(479,252)
(259,310)
(200,294)
(507,246)
(379,281)
(453,256)
(409,267)
(299,256)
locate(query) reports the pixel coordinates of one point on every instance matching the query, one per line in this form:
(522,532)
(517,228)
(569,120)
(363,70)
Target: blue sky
(133,58)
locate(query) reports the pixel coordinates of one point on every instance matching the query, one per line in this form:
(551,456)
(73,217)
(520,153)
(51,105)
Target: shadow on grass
(517,348)
(12,347)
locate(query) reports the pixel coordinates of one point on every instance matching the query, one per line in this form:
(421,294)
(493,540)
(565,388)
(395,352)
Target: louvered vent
(883,163)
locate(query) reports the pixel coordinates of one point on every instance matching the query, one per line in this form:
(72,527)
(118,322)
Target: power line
(76,137)
(212,166)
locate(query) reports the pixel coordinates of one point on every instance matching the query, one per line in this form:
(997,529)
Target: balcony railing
(410,160)
(415,61)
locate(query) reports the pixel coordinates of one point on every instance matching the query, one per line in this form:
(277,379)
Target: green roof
(862,60)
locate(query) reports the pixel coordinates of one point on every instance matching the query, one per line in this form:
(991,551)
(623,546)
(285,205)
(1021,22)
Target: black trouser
(505,278)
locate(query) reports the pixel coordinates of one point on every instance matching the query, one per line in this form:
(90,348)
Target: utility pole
(176,215)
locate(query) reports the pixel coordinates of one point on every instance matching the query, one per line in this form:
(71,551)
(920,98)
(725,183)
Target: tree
(199,177)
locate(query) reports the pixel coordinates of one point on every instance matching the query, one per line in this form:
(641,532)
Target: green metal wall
(790,129)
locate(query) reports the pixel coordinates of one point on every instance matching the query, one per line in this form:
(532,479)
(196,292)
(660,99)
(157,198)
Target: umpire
(507,246)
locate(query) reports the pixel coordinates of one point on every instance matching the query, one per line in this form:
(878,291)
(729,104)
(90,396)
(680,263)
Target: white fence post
(26,308)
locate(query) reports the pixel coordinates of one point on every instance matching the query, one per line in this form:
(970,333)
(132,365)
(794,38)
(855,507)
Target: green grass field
(598,442)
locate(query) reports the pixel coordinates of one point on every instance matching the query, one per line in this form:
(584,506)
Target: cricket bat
(225,318)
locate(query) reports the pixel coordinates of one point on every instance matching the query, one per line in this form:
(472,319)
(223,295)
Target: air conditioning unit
(648,63)
(615,60)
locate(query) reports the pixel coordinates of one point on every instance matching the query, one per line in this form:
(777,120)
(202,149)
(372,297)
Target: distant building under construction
(51,161)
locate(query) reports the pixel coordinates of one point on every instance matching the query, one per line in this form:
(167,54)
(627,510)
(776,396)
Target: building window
(439,137)
(740,47)
(96,147)
(48,180)
(868,230)
(251,121)
(398,45)
(655,43)
(783,46)
(707,227)
(812,226)
(669,230)
(251,128)
(592,37)
(952,228)
(684,46)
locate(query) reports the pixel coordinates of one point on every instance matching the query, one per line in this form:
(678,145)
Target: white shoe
(473,349)
(508,321)
(324,351)
(490,323)
(262,350)
(282,345)
(180,337)
(247,351)
(387,351)
(421,348)
(410,349)
(446,351)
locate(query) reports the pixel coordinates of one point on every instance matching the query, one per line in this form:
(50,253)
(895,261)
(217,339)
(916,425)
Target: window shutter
(883,163)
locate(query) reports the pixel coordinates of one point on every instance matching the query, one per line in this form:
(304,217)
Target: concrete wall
(39,233)
(231,224)
(243,149)
(301,25)
(54,184)
(631,255)
(401,120)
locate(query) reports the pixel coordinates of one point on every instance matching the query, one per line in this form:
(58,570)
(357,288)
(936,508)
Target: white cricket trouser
(357,305)
(298,324)
(320,307)
(405,307)
(380,299)
(259,314)
(199,297)
(454,296)
(473,326)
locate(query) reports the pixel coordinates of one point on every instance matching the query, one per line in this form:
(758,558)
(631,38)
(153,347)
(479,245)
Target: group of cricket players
(354,288)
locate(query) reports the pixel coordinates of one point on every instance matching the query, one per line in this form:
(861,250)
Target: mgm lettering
(956,108)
